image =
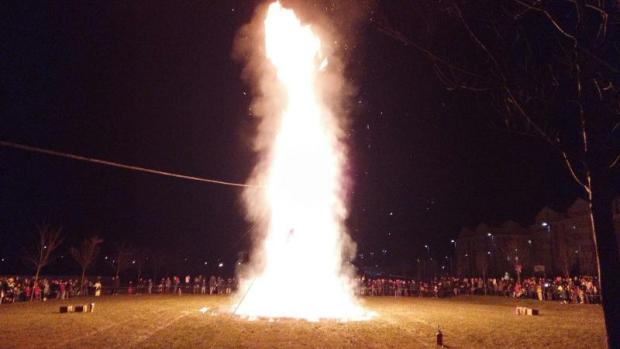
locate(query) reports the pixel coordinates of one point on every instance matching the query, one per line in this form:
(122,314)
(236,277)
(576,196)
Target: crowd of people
(563,289)
(17,289)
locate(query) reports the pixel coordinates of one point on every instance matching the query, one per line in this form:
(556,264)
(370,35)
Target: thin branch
(604,17)
(600,60)
(505,87)
(572,172)
(615,162)
(394,34)
(550,18)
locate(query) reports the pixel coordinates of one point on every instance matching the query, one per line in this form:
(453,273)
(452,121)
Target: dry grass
(175,322)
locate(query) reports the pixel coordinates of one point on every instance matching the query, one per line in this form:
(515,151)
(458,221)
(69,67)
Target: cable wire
(117,164)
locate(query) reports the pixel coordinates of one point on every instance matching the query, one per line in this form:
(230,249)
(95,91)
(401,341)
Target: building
(556,243)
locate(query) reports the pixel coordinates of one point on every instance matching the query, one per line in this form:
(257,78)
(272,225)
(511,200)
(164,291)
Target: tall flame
(302,252)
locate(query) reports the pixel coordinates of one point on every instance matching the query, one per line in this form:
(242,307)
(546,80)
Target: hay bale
(526,311)
(81,308)
(66,309)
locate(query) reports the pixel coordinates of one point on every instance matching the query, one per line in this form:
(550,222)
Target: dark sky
(153,84)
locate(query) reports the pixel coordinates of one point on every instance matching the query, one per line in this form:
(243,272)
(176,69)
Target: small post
(439,336)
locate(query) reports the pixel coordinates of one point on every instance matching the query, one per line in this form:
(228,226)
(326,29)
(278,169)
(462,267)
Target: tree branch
(569,165)
(550,18)
(615,162)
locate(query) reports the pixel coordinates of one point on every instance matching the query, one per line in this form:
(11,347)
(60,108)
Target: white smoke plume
(299,266)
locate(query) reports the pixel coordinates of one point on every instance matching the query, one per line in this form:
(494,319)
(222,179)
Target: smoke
(270,102)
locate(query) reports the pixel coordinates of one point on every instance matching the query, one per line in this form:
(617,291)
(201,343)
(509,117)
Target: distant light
(45,246)
(452,241)
(489,252)
(220,265)
(443,267)
(133,262)
(106,258)
(2,259)
(384,251)
(204,310)
(489,234)
(576,251)
(529,242)
(206,263)
(238,263)
(446,257)
(466,254)
(425,246)
(544,224)
(391,213)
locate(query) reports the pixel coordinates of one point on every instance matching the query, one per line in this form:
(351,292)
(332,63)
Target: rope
(117,164)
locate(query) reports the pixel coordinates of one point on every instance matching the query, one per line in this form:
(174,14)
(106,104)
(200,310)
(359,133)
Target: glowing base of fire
(307,302)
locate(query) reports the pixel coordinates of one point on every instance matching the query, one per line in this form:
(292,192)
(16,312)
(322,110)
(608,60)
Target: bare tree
(121,259)
(41,254)
(140,257)
(157,261)
(549,71)
(85,255)
(482,264)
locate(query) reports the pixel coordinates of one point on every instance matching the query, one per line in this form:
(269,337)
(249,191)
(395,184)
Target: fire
(302,274)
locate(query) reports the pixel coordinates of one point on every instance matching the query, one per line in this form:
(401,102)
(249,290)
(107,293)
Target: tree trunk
(606,244)
(82,282)
(36,279)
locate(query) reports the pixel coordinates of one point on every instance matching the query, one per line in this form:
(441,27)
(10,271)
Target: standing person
(46,289)
(98,288)
(539,291)
(212,284)
(62,288)
(229,284)
(203,285)
(167,285)
(149,286)
(188,280)
(196,285)
(175,283)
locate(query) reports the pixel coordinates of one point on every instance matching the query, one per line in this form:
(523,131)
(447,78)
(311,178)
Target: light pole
(455,256)
(430,260)
(547,226)
(492,256)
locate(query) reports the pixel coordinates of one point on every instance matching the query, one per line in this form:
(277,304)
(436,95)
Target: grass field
(176,322)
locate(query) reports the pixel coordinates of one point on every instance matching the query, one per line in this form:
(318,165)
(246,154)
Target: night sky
(153,84)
